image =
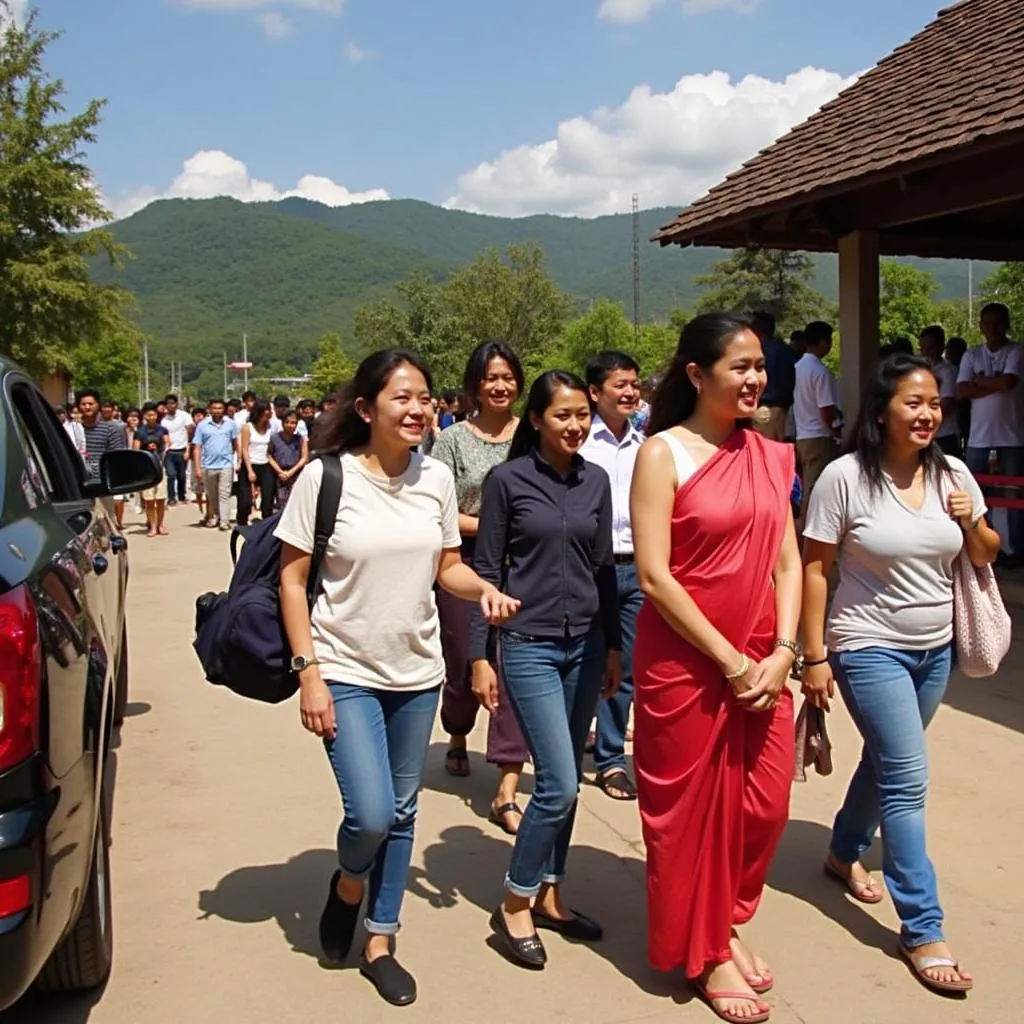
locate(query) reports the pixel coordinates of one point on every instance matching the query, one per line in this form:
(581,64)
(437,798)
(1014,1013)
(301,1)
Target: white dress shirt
(815,390)
(618,459)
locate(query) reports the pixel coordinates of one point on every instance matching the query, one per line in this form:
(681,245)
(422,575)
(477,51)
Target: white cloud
(638,10)
(668,147)
(275,25)
(324,6)
(355,54)
(212,172)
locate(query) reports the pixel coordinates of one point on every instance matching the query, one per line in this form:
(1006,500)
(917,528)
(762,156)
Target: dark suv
(63,685)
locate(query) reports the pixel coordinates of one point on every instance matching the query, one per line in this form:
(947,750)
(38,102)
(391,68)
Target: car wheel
(83,959)
(121,685)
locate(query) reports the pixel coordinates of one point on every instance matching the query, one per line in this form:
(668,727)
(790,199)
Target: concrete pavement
(224,825)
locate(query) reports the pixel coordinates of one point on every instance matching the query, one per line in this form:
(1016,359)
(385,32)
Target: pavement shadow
(35,1008)
(797,870)
(290,894)
(467,864)
(998,699)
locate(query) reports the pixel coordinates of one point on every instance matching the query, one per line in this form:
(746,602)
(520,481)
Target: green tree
(1006,285)
(113,362)
(955,316)
(754,279)
(604,326)
(332,366)
(906,300)
(50,308)
(510,296)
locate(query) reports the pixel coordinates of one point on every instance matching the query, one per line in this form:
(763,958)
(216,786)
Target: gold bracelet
(744,668)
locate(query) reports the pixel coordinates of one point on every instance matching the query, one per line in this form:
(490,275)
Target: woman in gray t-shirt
(895,512)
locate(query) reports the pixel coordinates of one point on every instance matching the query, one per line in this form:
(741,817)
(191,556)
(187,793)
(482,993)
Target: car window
(49,454)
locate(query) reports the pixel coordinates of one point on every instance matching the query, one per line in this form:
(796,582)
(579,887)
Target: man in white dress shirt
(990,376)
(614,382)
(176,422)
(932,345)
(815,408)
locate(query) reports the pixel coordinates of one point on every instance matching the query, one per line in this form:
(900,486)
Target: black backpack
(240,636)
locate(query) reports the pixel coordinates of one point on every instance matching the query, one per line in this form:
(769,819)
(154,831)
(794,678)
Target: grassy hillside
(205,271)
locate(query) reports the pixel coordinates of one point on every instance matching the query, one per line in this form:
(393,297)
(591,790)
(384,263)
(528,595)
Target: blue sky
(423,97)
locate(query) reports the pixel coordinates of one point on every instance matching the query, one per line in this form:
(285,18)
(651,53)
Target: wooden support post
(858,317)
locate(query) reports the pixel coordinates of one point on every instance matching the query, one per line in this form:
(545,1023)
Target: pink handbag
(981,624)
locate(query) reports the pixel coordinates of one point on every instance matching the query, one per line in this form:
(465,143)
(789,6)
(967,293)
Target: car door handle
(118,544)
(100,564)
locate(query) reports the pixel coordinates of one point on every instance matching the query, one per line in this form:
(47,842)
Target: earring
(700,388)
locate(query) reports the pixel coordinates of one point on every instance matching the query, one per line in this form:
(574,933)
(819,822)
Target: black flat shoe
(528,952)
(578,927)
(394,984)
(338,924)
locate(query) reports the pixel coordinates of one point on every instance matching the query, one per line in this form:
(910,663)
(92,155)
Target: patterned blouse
(470,458)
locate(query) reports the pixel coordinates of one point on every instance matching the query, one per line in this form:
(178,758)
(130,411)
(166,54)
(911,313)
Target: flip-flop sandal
(860,891)
(497,816)
(764,1012)
(919,964)
(762,987)
(456,762)
(616,779)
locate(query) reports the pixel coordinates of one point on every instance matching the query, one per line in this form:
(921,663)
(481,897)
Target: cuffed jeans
(554,687)
(218,493)
(378,756)
(177,476)
(613,714)
(1010,463)
(892,696)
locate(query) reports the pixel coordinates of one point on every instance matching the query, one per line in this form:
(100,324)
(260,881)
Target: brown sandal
(497,816)
(456,762)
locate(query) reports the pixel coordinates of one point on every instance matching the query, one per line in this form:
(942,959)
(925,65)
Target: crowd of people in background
(621,552)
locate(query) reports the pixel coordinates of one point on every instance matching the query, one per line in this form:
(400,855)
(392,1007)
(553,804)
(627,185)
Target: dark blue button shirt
(548,542)
(780,365)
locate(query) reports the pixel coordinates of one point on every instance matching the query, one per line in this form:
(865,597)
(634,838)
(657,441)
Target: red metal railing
(990,480)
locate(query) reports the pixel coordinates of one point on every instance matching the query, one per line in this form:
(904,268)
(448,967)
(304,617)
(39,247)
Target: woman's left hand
(768,680)
(498,607)
(612,674)
(961,508)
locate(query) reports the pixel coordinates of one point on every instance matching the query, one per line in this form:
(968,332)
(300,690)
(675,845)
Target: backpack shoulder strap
(327,503)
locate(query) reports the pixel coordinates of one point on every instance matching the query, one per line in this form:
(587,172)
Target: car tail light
(19,678)
(15,895)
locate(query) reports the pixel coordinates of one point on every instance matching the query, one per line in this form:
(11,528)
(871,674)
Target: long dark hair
(867,441)
(542,392)
(476,368)
(259,410)
(703,341)
(344,429)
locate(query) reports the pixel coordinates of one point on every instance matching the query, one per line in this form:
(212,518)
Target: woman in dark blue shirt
(545,537)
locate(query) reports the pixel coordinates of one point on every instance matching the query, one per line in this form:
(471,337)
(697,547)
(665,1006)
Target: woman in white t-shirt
(257,474)
(896,512)
(369,658)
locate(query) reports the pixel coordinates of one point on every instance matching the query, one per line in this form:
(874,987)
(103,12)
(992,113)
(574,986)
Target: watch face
(298,663)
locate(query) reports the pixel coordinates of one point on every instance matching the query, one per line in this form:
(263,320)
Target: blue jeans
(554,687)
(378,756)
(176,476)
(892,696)
(613,714)
(1011,463)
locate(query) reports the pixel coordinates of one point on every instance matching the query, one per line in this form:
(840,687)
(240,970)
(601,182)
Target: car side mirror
(125,471)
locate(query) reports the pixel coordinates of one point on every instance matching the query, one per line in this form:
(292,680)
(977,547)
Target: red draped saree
(713,779)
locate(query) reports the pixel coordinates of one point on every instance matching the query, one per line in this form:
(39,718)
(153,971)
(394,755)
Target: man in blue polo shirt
(215,442)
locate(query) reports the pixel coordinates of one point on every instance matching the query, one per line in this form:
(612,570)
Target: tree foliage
(50,308)
(332,367)
(906,300)
(754,279)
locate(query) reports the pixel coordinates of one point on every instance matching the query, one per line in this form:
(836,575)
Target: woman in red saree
(717,558)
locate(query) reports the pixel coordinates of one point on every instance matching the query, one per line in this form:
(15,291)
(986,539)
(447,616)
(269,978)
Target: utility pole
(225,376)
(145,368)
(245,359)
(636,266)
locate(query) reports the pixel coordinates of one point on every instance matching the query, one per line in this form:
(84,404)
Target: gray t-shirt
(895,564)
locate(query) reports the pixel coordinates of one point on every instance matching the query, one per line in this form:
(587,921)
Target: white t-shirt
(375,622)
(895,564)
(177,430)
(815,390)
(946,373)
(996,420)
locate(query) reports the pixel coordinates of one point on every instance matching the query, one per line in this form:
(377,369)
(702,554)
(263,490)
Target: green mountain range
(205,271)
